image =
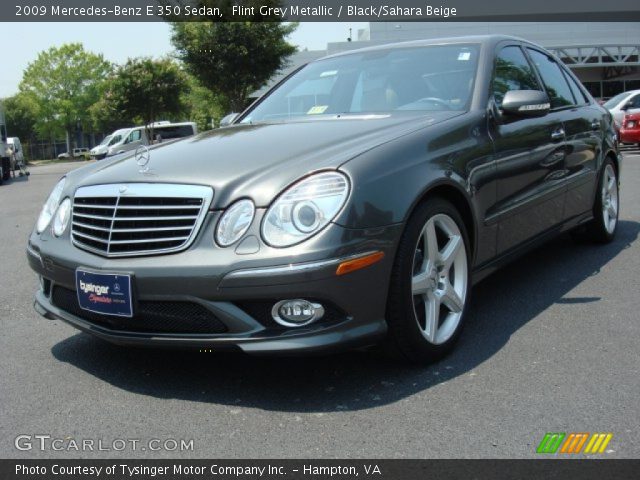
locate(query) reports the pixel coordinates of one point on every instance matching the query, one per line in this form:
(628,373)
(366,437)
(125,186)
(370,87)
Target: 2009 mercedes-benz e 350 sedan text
(353,204)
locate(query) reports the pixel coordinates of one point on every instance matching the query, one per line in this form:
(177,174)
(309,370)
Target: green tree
(62,83)
(146,90)
(20,115)
(201,105)
(233,59)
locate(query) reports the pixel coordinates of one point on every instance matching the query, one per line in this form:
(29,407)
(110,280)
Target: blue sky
(118,41)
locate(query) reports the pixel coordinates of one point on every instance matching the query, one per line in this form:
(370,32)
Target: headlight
(235,222)
(49,208)
(305,208)
(61,219)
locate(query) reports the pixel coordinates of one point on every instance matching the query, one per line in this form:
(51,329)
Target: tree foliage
(61,84)
(20,115)
(233,59)
(145,90)
(201,105)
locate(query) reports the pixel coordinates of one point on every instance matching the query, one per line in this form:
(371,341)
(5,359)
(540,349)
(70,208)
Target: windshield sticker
(464,56)
(317,110)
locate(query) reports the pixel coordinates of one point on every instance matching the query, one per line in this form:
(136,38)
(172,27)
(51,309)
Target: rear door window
(554,80)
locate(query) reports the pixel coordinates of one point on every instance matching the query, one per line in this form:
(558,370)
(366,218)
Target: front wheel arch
(458,199)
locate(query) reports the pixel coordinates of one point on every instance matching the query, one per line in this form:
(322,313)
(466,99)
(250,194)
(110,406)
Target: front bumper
(237,289)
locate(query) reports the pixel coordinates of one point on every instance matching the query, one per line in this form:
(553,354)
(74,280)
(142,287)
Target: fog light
(296,313)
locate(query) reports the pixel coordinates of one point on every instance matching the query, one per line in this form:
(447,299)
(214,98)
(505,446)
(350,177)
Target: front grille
(138,219)
(149,317)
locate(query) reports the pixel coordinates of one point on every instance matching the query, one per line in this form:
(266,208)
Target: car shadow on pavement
(501,304)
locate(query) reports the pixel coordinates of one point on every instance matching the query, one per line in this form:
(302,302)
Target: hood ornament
(142,158)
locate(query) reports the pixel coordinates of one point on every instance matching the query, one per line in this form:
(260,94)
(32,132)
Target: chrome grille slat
(95,217)
(175,217)
(158,207)
(91,237)
(138,219)
(95,227)
(153,240)
(159,229)
(85,205)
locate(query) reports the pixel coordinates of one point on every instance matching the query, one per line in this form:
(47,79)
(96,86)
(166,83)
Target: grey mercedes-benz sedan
(354,204)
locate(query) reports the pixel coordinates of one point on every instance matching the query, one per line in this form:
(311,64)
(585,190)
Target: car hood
(257,161)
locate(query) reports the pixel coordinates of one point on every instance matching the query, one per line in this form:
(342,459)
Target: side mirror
(525,103)
(228,119)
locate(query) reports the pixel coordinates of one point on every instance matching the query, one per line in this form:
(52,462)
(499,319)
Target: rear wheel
(606,207)
(430,283)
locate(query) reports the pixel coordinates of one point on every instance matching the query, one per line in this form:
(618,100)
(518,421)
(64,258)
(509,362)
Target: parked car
(622,102)
(75,153)
(128,139)
(355,203)
(630,129)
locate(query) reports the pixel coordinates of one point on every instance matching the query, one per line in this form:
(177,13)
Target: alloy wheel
(439,279)
(609,199)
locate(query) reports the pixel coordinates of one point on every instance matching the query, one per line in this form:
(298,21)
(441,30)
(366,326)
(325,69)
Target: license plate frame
(105,293)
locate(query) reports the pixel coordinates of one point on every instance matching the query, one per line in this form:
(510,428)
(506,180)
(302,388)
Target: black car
(354,204)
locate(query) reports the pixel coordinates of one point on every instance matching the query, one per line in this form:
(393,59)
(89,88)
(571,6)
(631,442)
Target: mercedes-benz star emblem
(142,158)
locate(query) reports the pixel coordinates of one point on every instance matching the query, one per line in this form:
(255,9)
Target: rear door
(583,127)
(529,158)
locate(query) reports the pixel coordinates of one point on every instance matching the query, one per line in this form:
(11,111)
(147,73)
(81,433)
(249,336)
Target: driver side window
(134,136)
(512,72)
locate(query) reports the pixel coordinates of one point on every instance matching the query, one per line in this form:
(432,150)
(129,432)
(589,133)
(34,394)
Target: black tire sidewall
(598,229)
(404,335)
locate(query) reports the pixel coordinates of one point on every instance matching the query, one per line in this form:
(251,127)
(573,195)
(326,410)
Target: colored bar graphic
(598,443)
(550,443)
(574,442)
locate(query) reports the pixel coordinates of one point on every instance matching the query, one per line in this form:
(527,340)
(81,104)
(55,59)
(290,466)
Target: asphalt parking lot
(551,345)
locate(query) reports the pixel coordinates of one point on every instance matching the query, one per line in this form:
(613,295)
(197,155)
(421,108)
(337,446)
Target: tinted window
(575,89)
(554,80)
(512,72)
(438,77)
(635,101)
(177,131)
(616,100)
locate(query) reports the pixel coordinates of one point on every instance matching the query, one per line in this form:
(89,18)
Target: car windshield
(418,79)
(106,139)
(118,135)
(612,102)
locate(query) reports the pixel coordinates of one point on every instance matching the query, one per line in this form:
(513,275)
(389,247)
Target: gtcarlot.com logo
(70,444)
(574,443)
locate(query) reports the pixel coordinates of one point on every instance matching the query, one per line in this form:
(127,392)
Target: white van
(100,151)
(131,138)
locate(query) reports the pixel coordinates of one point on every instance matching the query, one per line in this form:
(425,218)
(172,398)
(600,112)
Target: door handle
(558,134)
(595,125)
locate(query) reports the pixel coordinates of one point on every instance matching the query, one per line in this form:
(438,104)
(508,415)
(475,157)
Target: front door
(530,158)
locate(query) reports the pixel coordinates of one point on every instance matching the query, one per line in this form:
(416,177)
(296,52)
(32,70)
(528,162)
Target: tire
(423,288)
(6,168)
(606,207)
